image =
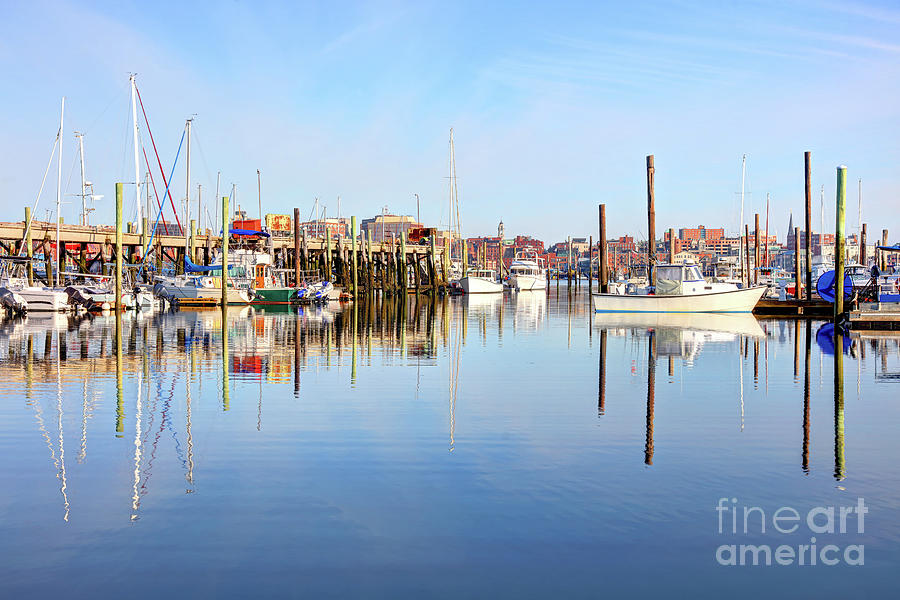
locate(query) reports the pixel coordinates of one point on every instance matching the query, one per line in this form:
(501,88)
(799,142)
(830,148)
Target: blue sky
(554,106)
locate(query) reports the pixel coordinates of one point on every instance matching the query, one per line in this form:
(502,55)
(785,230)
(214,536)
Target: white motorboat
(481,281)
(527,271)
(682,289)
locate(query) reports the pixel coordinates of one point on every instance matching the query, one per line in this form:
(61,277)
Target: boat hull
(732,301)
(275,295)
(480,285)
(525,283)
(44,299)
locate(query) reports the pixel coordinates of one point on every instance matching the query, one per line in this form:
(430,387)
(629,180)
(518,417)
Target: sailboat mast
(59,136)
(137,163)
(187,188)
(767,230)
(822,214)
(741,224)
(80,137)
(449,247)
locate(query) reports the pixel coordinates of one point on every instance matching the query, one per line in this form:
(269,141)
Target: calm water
(514,447)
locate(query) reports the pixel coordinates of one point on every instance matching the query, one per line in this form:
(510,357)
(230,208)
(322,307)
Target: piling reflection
(673,336)
(73,366)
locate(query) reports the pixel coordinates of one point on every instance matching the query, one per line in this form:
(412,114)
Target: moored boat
(682,289)
(481,281)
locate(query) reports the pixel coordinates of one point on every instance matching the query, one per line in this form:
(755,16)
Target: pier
(356,262)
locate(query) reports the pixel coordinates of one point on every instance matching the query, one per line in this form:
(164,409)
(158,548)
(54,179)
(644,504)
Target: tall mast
(199,212)
(741,224)
(187,188)
(137,163)
(822,214)
(59,136)
(767,230)
(80,137)
(259,194)
(450,208)
(216,200)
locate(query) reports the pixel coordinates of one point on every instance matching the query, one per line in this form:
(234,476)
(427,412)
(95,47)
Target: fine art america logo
(827,521)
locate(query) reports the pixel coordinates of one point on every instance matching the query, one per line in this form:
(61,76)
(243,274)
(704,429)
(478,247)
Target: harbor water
(513,445)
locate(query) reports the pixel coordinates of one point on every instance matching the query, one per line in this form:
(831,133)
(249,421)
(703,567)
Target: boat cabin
(675,280)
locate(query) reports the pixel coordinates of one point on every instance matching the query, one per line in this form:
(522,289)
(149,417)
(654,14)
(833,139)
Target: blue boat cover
(825,286)
(190,267)
(894,248)
(248,232)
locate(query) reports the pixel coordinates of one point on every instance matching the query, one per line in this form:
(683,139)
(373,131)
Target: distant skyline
(554,108)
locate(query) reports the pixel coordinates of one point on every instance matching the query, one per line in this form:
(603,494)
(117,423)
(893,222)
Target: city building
(386,227)
(700,233)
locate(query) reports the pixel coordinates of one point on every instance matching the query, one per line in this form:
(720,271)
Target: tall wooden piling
(807,159)
(838,401)
(839,241)
(747,255)
(119,194)
(193,247)
(862,246)
(797,280)
(353,257)
(226,225)
(297,262)
(29,249)
(602,261)
(884,242)
(671,246)
(404,276)
(590,266)
(651,222)
(756,249)
(327,254)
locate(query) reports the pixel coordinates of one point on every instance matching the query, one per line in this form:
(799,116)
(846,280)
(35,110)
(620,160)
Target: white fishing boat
(527,271)
(481,281)
(682,289)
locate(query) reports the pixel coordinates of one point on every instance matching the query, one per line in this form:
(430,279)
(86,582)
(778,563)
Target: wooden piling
(807,159)
(29,248)
(328,275)
(839,241)
(756,249)
(404,277)
(797,279)
(590,266)
(747,255)
(602,260)
(671,246)
(297,262)
(353,260)
(119,194)
(884,242)
(226,225)
(193,245)
(651,223)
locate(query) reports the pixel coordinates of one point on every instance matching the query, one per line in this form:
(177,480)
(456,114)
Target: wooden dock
(876,315)
(793,308)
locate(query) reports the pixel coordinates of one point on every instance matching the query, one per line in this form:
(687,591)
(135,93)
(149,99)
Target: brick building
(700,233)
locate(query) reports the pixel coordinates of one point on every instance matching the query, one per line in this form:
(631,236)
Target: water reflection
(328,411)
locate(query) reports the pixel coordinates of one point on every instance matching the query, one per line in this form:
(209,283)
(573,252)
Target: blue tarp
(894,248)
(825,286)
(190,267)
(247,232)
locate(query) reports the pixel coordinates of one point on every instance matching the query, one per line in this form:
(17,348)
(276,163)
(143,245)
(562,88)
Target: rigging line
(159,214)
(209,177)
(40,191)
(153,183)
(162,171)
